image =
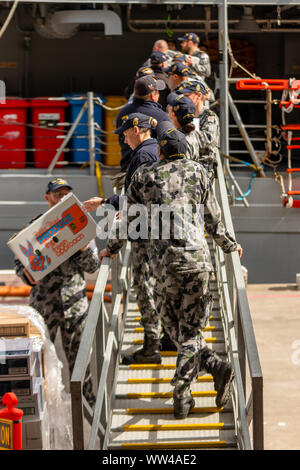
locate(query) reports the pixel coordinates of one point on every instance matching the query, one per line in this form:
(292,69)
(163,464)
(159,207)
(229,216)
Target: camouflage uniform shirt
(203,143)
(201,64)
(183,187)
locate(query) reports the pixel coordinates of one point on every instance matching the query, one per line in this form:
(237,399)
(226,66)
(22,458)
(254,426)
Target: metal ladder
(109,334)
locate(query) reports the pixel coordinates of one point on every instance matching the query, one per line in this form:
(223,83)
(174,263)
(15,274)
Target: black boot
(149,354)
(166,344)
(182,406)
(222,373)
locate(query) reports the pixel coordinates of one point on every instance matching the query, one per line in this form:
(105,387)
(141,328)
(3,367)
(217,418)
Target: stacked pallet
(21,372)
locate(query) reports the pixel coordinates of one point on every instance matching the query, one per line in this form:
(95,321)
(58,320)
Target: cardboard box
(35,435)
(22,366)
(21,386)
(14,327)
(18,358)
(54,237)
(34,405)
(12,317)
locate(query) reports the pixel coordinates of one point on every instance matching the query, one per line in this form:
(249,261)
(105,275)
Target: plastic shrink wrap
(55,426)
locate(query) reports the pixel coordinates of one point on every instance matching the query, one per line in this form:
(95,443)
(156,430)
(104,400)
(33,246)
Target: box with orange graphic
(54,237)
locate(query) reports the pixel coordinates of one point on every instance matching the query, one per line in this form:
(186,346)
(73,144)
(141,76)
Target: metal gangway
(133,408)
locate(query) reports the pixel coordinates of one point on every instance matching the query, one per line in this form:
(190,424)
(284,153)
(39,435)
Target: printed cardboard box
(54,237)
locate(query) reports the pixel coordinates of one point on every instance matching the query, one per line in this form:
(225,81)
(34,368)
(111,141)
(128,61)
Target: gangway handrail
(106,331)
(246,347)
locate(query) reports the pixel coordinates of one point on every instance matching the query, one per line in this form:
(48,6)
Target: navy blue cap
(190,86)
(190,37)
(136,119)
(57,183)
(158,58)
(183,107)
(145,85)
(172,142)
(179,69)
(179,57)
(144,71)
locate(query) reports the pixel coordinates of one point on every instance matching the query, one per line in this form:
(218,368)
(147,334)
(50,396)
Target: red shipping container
(46,114)
(13,133)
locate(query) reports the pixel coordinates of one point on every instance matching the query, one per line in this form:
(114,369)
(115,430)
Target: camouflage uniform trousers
(71,330)
(143,283)
(184,305)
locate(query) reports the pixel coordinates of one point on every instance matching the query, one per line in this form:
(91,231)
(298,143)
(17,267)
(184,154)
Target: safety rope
(8,19)
(234,63)
(237,160)
(108,108)
(240,198)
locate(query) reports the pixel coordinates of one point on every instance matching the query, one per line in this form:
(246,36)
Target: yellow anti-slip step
(152,366)
(166,411)
(211,317)
(207,328)
(207,340)
(176,445)
(122,396)
(164,380)
(172,427)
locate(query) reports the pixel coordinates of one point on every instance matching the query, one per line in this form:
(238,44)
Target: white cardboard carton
(54,237)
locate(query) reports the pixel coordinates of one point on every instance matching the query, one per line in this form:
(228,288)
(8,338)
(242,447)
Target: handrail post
(66,140)
(258,413)
(77,415)
(223,72)
(91,129)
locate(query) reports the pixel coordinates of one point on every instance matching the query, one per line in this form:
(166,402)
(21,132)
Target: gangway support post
(91,129)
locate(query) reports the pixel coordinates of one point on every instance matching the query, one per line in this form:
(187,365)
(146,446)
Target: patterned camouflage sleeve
(208,136)
(86,260)
(214,225)
(201,65)
(209,130)
(114,245)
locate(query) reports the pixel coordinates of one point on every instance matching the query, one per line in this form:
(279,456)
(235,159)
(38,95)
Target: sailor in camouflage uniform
(207,135)
(179,71)
(189,45)
(137,128)
(181,260)
(60,297)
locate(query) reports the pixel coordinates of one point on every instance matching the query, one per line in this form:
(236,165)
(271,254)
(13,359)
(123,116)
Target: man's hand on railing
(105,253)
(92,204)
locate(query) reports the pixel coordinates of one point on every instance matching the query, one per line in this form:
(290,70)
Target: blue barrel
(80,139)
